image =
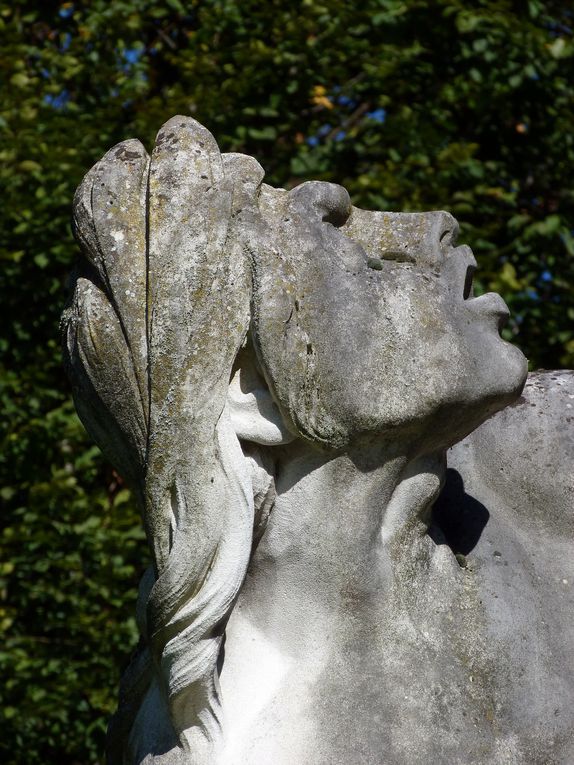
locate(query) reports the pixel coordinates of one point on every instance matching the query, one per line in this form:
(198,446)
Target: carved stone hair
(184,254)
(160,309)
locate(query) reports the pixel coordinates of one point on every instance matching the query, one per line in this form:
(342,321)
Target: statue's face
(377,333)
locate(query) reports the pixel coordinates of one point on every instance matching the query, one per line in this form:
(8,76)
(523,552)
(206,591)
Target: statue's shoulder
(540,420)
(522,459)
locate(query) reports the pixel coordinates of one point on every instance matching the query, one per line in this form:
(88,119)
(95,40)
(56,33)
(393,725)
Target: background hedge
(411,105)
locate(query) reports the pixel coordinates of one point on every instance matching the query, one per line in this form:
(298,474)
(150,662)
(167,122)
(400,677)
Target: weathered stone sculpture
(279,375)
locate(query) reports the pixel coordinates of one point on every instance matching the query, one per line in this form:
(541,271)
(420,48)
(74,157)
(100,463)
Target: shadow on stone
(458,519)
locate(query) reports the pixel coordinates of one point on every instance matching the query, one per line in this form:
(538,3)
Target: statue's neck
(340,600)
(327,553)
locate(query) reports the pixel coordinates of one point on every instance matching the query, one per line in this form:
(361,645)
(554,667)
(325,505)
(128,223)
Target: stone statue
(279,375)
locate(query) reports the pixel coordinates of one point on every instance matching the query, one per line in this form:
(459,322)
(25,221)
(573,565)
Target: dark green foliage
(411,105)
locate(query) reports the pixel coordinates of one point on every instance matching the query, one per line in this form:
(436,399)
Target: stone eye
(398,256)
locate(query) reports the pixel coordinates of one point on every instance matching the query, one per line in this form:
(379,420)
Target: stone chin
(492,379)
(487,373)
(493,374)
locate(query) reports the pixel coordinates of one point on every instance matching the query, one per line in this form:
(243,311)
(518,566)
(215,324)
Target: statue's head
(366,327)
(212,308)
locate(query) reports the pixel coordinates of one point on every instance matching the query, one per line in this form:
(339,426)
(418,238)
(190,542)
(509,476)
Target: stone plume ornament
(279,375)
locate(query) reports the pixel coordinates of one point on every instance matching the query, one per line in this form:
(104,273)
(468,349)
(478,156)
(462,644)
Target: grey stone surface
(279,374)
(512,484)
